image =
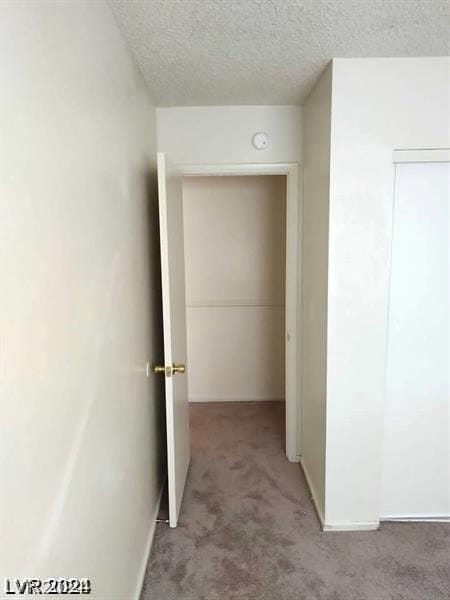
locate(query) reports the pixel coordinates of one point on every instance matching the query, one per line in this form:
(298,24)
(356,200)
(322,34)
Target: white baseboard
(417,519)
(327,526)
(352,526)
(313,493)
(236,399)
(294,458)
(148,546)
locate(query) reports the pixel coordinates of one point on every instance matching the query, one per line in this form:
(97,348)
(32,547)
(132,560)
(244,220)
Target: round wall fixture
(260,140)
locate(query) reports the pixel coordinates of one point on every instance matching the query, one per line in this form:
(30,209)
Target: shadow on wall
(157,384)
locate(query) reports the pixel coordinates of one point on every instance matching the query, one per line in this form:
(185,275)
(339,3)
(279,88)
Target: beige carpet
(248,530)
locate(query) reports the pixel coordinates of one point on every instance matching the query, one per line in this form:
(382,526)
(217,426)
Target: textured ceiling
(200,52)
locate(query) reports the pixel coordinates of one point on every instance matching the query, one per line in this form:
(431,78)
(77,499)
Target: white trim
(292,318)
(234,302)
(209,399)
(148,546)
(234,169)
(293,277)
(327,526)
(350,526)
(313,493)
(418,519)
(422,155)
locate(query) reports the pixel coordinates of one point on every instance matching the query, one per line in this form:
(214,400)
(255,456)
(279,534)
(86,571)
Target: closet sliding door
(416,454)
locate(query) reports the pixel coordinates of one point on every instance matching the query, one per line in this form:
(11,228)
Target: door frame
(293,279)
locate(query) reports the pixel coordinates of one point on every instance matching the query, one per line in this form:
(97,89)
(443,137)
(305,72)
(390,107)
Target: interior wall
(82,425)
(222,134)
(235,242)
(316,193)
(377,105)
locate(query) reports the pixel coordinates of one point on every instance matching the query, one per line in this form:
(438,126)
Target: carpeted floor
(248,530)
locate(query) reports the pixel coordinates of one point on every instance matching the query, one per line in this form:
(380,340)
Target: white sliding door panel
(416,461)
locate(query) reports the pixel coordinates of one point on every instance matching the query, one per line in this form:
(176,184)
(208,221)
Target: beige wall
(235,272)
(358,113)
(222,134)
(81,438)
(316,151)
(378,105)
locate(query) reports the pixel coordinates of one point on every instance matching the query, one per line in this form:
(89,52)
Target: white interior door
(416,453)
(174,321)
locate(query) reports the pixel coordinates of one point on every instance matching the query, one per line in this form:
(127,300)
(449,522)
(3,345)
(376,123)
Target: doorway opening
(241,258)
(170,188)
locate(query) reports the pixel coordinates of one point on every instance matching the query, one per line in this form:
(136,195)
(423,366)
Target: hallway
(248,529)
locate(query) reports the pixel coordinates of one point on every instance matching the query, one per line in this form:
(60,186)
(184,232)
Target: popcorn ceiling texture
(219,52)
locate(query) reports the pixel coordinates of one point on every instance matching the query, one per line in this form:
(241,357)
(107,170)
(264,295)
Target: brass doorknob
(168,371)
